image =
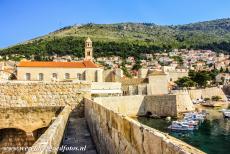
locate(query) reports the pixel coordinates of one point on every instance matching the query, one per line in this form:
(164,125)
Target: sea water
(212,137)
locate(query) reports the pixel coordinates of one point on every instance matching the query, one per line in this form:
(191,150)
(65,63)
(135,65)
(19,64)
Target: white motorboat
(194,116)
(222,110)
(190,122)
(226,113)
(180,126)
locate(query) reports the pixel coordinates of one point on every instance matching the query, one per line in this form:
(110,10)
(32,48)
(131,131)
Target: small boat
(180,126)
(226,113)
(190,122)
(222,110)
(213,104)
(194,116)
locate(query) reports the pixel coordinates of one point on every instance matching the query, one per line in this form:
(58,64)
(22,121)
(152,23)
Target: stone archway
(38,132)
(13,137)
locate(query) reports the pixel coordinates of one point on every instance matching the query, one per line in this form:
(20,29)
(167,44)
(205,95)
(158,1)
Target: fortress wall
(115,132)
(184,102)
(24,94)
(27,119)
(194,94)
(52,137)
(207,93)
(130,105)
(173,76)
(161,105)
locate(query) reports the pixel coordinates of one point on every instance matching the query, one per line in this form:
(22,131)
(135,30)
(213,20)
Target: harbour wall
(114,132)
(139,105)
(206,93)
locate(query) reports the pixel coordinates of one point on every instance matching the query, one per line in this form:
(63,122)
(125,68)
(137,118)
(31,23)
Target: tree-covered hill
(128,39)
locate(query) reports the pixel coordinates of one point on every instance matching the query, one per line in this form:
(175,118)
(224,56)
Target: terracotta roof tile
(80,64)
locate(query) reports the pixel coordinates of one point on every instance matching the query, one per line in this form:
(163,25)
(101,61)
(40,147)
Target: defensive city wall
(28,94)
(139,105)
(31,109)
(206,93)
(109,119)
(115,132)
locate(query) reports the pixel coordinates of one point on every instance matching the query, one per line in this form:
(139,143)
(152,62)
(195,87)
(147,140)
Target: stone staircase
(77,135)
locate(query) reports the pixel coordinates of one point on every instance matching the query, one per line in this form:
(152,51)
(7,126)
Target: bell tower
(88,49)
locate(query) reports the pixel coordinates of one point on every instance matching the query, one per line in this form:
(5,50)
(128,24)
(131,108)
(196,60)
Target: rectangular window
(96,76)
(67,76)
(28,77)
(54,75)
(79,76)
(40,76)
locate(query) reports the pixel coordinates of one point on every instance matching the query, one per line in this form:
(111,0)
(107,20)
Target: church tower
(88,49)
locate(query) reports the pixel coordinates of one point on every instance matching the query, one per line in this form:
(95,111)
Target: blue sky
(25,19)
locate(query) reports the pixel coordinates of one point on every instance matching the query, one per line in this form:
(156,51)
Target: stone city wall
(206,93)
(114,132)
(184,102)
(49,141)
(30,107)
(161,105)
(130,105)
(24,94)
(173,75)
(27,119)
(14,138)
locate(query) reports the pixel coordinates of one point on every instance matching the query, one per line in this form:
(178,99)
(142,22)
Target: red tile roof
(80,64)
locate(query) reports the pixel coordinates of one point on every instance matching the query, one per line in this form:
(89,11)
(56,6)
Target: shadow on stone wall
(115,132)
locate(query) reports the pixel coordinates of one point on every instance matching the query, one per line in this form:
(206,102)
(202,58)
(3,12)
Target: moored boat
(226,113)
(190,122)
(180,126)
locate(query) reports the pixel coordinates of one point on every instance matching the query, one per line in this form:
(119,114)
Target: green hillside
(128,39)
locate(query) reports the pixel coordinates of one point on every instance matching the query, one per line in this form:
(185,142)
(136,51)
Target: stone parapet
(27,119)
(25,94)
(139,105)
(114,132)
(49,141)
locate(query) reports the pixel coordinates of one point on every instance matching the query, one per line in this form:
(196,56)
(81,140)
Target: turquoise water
(212,137)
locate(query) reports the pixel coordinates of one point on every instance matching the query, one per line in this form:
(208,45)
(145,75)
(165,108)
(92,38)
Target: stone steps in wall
(77,135)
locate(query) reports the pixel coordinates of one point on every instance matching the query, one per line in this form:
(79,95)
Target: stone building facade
(57,71)
(156,83)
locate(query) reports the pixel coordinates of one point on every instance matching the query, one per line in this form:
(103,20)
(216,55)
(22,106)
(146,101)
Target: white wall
(90,73)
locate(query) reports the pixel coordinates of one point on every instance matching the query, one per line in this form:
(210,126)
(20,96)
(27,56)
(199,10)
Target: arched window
(28,76)
(40,76)
(54,75)
(67,76)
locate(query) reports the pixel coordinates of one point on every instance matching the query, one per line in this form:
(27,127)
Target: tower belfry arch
(88,49)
